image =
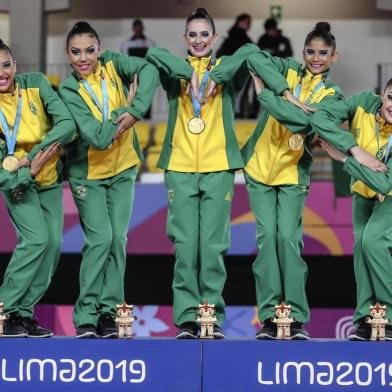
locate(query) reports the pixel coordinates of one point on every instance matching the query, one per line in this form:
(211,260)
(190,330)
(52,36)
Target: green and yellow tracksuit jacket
(94,155)
(44,120)
(216,148)
(267,155)
(362,112)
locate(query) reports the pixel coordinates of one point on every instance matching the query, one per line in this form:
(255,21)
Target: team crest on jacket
(81,190)
(170,195)
(33,108)
(356,132)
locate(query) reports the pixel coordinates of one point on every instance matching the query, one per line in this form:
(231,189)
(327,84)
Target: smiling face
(199,37)
(386,108)
(83,52)
(7,72)
(318,56)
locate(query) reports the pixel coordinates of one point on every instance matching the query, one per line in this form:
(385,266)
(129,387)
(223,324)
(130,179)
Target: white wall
(361,43)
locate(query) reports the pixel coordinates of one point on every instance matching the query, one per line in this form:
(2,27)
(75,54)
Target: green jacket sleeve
(234,68)
(11,180)
(379,182)
(169,65)
(96,133)
(271,69)
(326,122)
(297,121)
(127,67)
(64,128)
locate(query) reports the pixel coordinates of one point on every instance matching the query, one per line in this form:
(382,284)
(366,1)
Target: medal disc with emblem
(296,142)
(196,125)
(9,163)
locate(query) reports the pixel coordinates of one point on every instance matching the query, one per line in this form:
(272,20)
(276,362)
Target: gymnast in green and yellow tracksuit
(102,167)
(370,118)
(199,169)
(277,169)
(32,118)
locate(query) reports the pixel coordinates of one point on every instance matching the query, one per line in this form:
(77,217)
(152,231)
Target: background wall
(362,44)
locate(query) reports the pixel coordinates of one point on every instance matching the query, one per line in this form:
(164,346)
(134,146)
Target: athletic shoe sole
(48,335)
(87,335)
(265,336)
(356,338)
(21,335)
(299,336)
(113,335)
(185,335)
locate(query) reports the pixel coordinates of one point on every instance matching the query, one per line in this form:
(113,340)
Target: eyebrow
(204,31)
(88,47)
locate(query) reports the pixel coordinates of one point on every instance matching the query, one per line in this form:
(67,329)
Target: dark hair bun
(1,41)
(81,25)
(322,26)
(202,11)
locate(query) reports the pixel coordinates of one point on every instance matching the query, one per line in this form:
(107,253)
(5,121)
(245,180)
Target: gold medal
(196,125)
(296,142)
(9,163)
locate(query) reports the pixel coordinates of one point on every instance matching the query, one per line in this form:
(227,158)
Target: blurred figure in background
(138,44)
(237,37)
(273,41)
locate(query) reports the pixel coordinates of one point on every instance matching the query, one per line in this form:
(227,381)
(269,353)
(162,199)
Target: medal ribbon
(195,103)
(388,149)
(104,88)
(298,89)
(11,137)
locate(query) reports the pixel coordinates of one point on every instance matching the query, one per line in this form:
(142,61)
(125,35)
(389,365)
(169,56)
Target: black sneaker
(86,331)
(218,333)
(388,332)
(267,331)
(361,332)
(187,331)
(13,328)
(34,330)
(298,332)
(107,327)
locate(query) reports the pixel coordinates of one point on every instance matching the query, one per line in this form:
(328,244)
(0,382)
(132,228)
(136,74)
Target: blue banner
(297,366)
(169,365)
(61,364)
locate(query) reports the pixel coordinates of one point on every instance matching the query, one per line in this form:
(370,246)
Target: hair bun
(322,26)
(202,11)
(81,25)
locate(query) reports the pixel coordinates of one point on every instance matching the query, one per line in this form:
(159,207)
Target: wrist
(354,150)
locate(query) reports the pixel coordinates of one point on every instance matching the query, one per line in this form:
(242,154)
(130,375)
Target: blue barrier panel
(63,364)
(328,366)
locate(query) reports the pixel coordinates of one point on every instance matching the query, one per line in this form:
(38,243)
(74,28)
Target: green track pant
(105,208)
(38,220)
(372,223)
(279,271)
(199,225)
